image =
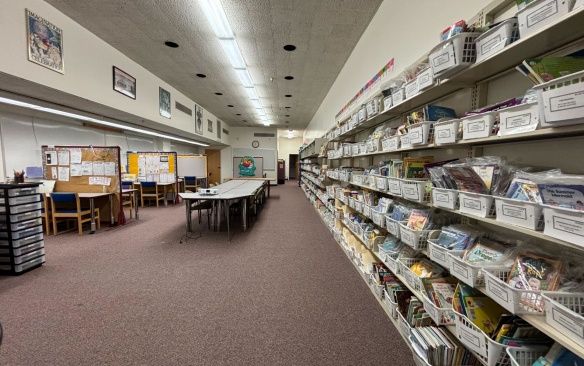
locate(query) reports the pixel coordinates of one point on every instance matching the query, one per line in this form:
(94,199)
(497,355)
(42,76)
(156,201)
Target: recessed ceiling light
(244,120)
(238,114)
(287,121)
(289,47)
(287,107)
(171,44)
(288,95)
(229,105)
(202,75)
(218,93)
(287,115)
(289,77)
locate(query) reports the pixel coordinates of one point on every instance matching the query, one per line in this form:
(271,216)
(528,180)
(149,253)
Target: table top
(242,178)
(87,194)
(228,190)
(129,190)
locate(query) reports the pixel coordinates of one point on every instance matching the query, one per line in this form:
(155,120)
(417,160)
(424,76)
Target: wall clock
(255,143)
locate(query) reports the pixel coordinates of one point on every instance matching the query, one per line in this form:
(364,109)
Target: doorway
(293,166)
(213,166)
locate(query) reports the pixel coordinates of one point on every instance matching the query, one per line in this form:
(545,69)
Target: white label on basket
(438,255)
(395,188)
(362,115)
(416,135)
(473,339)
(444,59)
(564,224)
(498,291)
(444,133)
(567,101)
(398,97)
(412,88)
(411,192)
(387,102)
(514,211)
(442,197)
(407,237)
(491,43)
(392,227)
(476,126)
(568,322)
(542,13)
(409,278)
(424,78)
(518,120)
(457,268)
(406,141)
(472,204)
(370,145)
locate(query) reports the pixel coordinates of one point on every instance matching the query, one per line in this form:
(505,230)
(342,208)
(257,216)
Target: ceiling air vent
(183,109)
(225,132)
(263,134)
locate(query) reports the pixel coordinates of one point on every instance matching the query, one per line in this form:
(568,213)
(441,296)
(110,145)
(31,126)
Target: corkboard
(81,184)
(133,166)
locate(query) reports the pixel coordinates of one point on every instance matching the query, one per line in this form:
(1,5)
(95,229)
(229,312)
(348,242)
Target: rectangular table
(232,190)
(268,180)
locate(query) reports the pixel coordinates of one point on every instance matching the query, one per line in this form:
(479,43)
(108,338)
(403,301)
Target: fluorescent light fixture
(251,93)
(93,120)
(233,54)
(261,111)
(256,103)
(245,78)
(266,123)
(263,118)
(216,17)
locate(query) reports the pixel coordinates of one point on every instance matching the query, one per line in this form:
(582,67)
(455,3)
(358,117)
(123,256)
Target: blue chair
(128,198)
(191,184)
(67,207)
(149,190)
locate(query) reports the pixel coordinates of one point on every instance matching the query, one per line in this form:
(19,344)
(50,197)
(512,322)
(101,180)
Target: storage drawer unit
(21,231)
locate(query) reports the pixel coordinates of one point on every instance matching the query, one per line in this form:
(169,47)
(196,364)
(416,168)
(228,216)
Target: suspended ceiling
(324,32)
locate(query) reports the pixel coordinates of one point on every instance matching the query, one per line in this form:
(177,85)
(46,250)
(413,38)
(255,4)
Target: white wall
(88,67)
(403,30)
(288,146)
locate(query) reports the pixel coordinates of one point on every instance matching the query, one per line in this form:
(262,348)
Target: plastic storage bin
(404,141)
(15,192)
(514,300)
(394,186)
(372,107)
(564,224)
(478,125)
(392,226)
(421,132)
(560,100)
(520,213)
(518,119)
(398,96)
(378,218)
(481,205)
(417,239)
(21,217)
(412,88)
(410,277)
(381,183)
(20,225)
(445,198)
(441,316)
(468,273)
(497,38)
(453,55)
(416,190)
(565,312)
(403,326)
(19,200)
(362,115)
(425,78)
(440,254)
(24,266)
(391,306)
(22,250)
(446,132)
(540,13)
(525,356)
(22,208)
(387,103)
(390,143)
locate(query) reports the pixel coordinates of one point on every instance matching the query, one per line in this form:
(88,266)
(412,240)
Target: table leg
(188,205)
(135,198)
(244,218)
(165,201)
(92,209)
(269,189)
(111,202)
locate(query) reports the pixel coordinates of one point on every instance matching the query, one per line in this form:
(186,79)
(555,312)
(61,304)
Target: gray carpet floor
(282,293)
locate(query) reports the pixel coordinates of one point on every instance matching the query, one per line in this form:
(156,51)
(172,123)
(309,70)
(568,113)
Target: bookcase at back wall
(491,81)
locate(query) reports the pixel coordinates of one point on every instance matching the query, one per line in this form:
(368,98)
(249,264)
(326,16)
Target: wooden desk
(267,180)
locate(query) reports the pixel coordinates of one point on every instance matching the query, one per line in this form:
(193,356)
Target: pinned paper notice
(110,168)
(87,168)
(75,156)
(76,170)
(98,168)
(51,158)
(63,157)
(54,173)
(64,174)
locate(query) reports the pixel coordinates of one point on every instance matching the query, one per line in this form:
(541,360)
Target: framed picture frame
(210,125)
(219,129)
(45,42)
(124,83)
(198,119)
(164,102)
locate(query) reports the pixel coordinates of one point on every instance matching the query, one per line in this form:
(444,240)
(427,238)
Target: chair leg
(79,225)
(48,226)
(142,200)
(54,226)
(98,218)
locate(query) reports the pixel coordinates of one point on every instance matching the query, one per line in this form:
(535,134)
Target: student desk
(91,197)
(267,180)
(165,186)
(232,190)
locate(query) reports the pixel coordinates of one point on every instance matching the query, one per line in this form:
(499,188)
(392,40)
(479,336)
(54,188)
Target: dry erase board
(191,165)
(268,156)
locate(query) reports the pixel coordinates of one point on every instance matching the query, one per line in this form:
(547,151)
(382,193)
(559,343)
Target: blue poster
(247,167)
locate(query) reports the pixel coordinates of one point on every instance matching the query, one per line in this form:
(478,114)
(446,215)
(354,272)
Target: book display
(469,239)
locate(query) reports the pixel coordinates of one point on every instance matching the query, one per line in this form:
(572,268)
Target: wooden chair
(128,198)
(190,184)
(46,213)
(67,207)
(149,190)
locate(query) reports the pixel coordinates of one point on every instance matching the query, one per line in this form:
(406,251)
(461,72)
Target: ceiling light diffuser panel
(251,93)
(216,16)
(233,54)
(245,78)
(256,103)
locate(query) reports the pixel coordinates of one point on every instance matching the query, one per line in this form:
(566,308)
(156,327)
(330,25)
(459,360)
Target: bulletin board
(153,166)
(86,169)
(192,165)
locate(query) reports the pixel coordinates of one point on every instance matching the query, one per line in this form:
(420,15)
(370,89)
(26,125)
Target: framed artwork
(210,125)
(219,129)
(124,83)
(45,42)
(164,102)
(198,119)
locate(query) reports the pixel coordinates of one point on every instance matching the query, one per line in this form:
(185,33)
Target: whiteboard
(268,155)
(191,165)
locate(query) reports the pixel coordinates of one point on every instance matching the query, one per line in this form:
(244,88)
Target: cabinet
(486,82)
(21,233)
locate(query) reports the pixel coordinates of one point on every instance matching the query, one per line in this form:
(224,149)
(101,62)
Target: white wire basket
(565,313)
(525,356)
(394,186)
(381,183)
(441,316)
(514,300)
(417,239)
(391,306)
(378,218)
(520,213)
(445,198)
(470,274)
(453,54)
(392,226)
(403,326)
(481,205)
(440,254)
(411,278)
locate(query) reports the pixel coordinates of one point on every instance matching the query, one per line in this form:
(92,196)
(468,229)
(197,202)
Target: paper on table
(63,157)
(75,156)
(98,168)
(51,157)
(76,170)
(110,168)
(54,173)
(64,174)
(87,168)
